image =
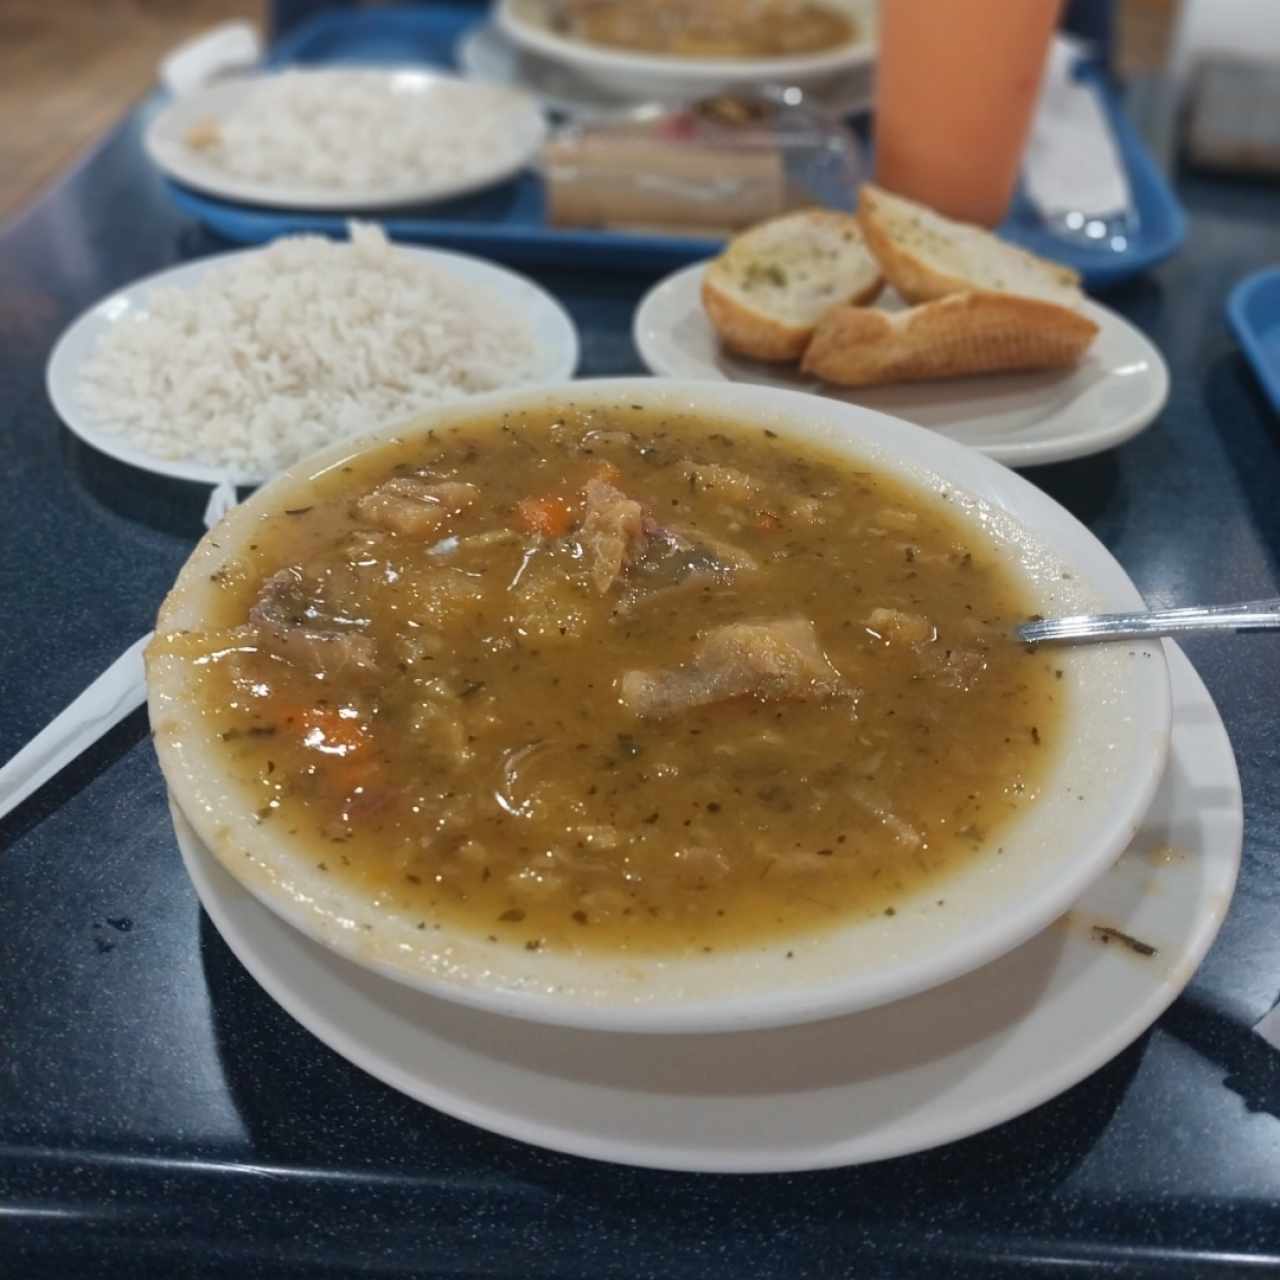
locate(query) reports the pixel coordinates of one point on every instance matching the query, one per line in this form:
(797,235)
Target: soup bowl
(675,79)
(1096,788)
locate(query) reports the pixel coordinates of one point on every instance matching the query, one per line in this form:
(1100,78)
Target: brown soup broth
(781,699)
(710,28)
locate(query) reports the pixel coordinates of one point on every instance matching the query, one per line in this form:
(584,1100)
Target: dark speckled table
(159,1114)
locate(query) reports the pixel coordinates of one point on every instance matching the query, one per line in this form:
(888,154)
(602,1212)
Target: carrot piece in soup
(326,729)
(551,517)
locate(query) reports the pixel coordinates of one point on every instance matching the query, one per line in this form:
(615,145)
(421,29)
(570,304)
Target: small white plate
(549,326)
(523,131)
(907,1076)
(1020,419)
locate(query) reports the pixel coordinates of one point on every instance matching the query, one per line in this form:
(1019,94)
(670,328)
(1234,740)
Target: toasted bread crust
(962,334)
(750,332)
(912,274)
(753,333)
(752,327)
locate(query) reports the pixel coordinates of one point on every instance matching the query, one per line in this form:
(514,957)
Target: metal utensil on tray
(1073,171)
(1112,233)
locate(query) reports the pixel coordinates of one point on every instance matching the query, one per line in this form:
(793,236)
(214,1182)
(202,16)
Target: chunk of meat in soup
(286,611)
(676,555)
(677,561)
(897,626)
(413,506)
(715,477)
(620,540)
(613,532)
(773,661)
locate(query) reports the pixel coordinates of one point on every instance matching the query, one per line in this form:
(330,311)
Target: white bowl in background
(486,54)
(1114,743)
(668,78)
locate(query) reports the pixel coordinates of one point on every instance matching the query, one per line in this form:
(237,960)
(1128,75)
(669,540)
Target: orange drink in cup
(957,85)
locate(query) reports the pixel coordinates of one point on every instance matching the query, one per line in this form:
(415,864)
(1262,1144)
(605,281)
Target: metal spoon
(1256,615)
(120,689)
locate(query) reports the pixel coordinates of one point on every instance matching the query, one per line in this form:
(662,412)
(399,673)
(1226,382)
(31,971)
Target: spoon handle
(1256,615)
(115,693)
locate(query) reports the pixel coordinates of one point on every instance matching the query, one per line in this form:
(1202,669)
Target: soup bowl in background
(677,79)
(1094,793)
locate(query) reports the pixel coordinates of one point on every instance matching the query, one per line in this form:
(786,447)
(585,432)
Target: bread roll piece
(926,256)
(766,293)
(965,333)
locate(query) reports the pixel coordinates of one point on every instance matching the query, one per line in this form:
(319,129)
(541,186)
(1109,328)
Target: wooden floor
(70,68)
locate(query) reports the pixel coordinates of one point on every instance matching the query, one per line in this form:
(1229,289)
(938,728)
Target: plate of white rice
(235,366)
(347,138)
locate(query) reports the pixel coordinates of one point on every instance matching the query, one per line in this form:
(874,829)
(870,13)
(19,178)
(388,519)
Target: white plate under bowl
(912,1075)
(523,132)
(1109,750)
(552,331)
(669,78)
(1020,419)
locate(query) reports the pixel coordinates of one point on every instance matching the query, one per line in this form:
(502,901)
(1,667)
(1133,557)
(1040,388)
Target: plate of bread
(899,309)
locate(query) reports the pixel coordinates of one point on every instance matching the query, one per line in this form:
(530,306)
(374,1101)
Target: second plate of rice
(346,139)
(235,366)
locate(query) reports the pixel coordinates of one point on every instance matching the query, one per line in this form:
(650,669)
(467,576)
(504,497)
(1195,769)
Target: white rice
(265,360)
(356,130)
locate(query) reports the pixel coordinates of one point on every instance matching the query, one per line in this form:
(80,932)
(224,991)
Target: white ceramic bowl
(665,78)
(1114,745)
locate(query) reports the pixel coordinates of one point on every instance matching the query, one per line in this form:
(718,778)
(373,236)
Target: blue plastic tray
(509,222)
(1253,311)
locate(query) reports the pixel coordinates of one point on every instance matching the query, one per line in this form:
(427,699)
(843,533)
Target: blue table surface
(159,1114)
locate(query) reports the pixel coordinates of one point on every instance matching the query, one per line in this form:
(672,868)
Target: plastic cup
(957,84)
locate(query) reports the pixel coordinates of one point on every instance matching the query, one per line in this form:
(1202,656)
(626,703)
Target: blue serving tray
(509,222)
(1253,312)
